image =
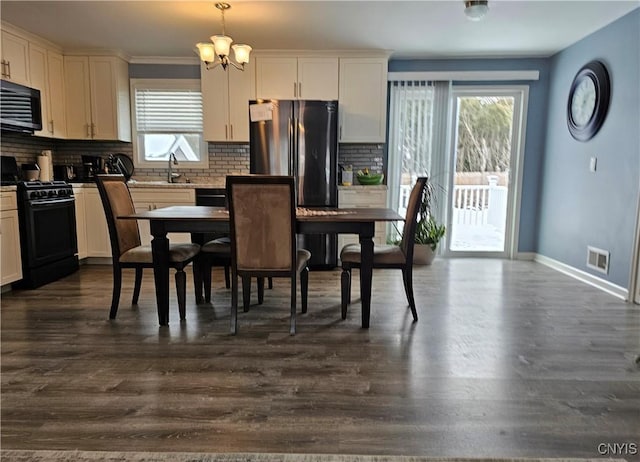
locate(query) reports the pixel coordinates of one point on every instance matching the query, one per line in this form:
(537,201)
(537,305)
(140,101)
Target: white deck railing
(472,204)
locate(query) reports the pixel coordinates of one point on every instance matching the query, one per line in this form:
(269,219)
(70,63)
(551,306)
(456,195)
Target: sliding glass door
(487,132)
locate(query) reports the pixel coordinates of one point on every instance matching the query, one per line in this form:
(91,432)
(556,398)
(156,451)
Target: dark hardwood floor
(508,359)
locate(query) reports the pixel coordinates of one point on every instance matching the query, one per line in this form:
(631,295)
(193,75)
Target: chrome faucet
(170,174)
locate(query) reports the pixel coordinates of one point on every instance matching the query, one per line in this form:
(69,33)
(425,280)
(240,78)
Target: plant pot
(422,254)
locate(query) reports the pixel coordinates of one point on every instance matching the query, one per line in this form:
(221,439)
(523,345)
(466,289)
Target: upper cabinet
(225,102)
(15,58)
(97,98)
(363,100)
(47,75)
(285,77)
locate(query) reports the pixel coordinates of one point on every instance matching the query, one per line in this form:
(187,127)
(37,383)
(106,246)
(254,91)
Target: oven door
(49,232)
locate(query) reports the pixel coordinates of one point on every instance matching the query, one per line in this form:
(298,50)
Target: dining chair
(387,256)
(126,248)
(262,219)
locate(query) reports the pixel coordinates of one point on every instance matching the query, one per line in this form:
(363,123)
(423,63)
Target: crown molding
(31,37)
(465,75)
(178,60)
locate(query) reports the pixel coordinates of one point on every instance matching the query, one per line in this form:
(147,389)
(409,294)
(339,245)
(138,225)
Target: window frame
(184,84)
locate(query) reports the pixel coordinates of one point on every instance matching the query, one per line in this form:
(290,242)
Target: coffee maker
(91,166)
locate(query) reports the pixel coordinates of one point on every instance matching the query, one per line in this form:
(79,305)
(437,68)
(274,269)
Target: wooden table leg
(366,273)
(160,250)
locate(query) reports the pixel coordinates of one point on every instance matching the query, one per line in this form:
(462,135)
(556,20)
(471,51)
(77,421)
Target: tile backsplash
(224,158)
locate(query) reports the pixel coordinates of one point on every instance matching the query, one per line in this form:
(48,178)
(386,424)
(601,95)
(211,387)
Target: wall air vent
(598,259)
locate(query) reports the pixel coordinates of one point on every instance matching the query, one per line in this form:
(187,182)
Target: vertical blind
(410,135)
(168,110)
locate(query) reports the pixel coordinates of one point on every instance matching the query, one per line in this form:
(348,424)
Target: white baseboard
(525,256)
(595,281)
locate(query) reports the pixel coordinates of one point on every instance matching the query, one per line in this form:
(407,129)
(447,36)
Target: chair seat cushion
(303,257)
(177,253)
(382,254)
(220,246)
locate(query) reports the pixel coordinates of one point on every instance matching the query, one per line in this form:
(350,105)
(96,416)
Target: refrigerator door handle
(291,146)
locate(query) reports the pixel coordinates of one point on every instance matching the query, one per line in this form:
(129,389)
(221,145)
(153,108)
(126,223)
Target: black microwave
(20,108)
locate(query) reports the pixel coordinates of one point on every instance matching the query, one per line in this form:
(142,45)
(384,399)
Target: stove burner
(29,191)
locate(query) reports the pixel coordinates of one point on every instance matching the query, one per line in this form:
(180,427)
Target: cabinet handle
(231,131)
(93,130)
(299,89)
(340,133)
(88,130)
(8,64)
(226,132)
(4,66)
(51,126)
(295,90)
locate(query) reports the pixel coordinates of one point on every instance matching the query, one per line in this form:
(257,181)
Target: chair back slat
(410,224)
(262,222)
(116,201)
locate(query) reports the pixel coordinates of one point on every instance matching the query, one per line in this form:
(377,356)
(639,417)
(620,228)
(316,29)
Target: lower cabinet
(152,198)
(10,259)
(97,232)
(81,222)
(363,196)
(93,232)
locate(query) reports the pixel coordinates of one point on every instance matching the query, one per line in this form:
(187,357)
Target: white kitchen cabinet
(97,98)
(225,103)
(81,222)
(283,77)
(15,58)
(57,115)
(97,232)
(10,259)
(47,75)
(155,198)
(365,197)
(363,100)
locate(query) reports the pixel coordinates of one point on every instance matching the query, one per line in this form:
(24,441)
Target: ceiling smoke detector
(476,9)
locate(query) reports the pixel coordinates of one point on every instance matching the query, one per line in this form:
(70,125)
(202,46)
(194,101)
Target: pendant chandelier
(217,53)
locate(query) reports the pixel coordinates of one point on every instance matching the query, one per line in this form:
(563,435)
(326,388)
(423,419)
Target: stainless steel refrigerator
(300,138)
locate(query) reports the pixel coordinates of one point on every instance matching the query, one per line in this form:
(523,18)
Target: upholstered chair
(126,248)
(387,256)
(262,217)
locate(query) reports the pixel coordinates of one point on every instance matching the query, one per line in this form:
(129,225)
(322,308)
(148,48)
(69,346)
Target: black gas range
(48,239)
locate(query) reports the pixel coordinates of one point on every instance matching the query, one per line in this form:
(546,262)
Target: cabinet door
(150,199)
(40,81)
(78,97)
(10,258)
(318,78)
(276,78)
(15,59)
(363,100)
(242,89)
(215,103)
(104,98)
(81,222)
(55,67)
(98,244)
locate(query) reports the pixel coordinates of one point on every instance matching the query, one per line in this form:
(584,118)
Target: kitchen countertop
(8,188)
(211,184)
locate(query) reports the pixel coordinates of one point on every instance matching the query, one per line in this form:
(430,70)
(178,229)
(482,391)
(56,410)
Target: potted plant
(428,231)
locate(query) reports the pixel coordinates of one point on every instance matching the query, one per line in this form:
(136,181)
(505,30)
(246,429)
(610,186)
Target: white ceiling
(410,29)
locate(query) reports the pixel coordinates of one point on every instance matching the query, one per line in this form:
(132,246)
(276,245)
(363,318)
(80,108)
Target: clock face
(583,102)
(588,101)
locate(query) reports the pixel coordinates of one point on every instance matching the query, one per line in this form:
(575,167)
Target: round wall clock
(588,101)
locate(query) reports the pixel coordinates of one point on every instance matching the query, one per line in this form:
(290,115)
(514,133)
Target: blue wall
(536,126)
(579,208)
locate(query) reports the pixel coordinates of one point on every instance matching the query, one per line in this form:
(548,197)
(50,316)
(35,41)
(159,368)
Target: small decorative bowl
(370,179)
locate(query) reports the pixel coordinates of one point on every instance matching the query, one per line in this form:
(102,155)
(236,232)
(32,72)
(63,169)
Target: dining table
(199,220)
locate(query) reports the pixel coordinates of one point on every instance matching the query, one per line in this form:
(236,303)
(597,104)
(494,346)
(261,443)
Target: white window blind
(168,110)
